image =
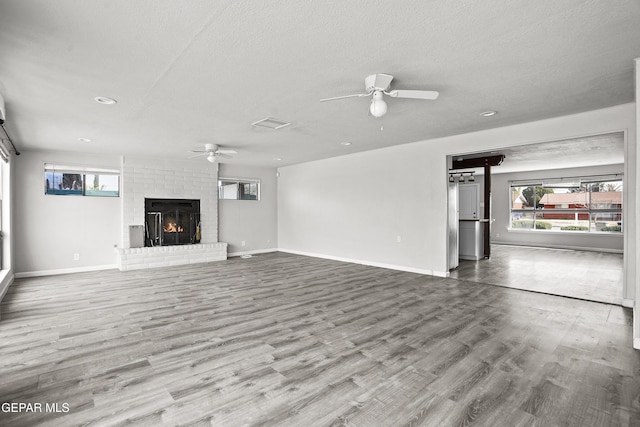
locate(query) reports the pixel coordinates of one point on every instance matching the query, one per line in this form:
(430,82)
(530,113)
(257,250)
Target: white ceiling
(201,71)
(593,150)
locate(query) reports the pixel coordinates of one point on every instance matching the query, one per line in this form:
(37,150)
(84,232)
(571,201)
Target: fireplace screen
(172,222)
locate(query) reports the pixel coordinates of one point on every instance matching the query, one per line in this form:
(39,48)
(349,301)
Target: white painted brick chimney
(170,179)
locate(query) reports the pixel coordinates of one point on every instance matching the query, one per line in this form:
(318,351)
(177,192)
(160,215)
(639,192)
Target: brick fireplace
(144,179)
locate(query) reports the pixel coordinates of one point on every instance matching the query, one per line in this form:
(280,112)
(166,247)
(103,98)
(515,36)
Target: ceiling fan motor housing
(378,82)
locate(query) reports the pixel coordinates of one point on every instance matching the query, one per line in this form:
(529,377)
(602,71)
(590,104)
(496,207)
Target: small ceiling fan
(379,84)
(213,151)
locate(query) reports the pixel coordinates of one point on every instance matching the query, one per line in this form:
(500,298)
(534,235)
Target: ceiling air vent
(270,123)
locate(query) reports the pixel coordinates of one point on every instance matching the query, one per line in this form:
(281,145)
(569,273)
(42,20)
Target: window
(102,185)
(63,183)
(238,189)
(3,263)
(5,214)
(80,181)
(587,204)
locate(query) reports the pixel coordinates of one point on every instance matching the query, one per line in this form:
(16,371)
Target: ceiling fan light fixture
(378,84)
(378,107)
(211,158)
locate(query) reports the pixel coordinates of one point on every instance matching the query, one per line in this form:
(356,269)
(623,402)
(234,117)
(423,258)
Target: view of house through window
(586,204)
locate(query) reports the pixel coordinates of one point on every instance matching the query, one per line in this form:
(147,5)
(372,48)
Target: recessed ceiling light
(488,113)
(277,158)
(84,140)
(104,100)
(345,143)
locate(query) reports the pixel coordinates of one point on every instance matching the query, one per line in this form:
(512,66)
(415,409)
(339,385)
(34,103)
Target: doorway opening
(563,259)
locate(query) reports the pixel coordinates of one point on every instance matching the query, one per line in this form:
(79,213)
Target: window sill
(567,232)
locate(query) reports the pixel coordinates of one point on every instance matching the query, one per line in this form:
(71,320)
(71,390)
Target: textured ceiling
(594,150)
(189,73)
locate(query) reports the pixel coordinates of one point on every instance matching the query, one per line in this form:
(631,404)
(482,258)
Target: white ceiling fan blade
(198,154)
(223,155)
(226,151)
(414,94)
(345,96)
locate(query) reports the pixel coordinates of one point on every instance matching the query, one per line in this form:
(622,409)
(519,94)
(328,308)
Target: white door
(469,204)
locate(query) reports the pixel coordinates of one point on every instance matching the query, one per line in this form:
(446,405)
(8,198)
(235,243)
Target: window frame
(101,193)
(53,169)
(537,212)
(239,182)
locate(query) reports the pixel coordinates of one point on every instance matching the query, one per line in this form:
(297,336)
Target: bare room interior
(569,258)
(236,213)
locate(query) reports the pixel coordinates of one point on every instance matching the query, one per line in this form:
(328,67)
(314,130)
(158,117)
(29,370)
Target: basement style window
(238,189)
(80,181)
(583,204)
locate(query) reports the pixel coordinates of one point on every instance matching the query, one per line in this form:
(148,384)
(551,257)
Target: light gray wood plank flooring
(286,340)
(594,276)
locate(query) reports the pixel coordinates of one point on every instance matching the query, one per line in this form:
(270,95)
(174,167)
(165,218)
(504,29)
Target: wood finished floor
(594,276)
(286,340)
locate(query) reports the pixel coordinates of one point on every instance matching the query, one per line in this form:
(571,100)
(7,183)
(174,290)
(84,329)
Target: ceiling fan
(379,84)
(213,151)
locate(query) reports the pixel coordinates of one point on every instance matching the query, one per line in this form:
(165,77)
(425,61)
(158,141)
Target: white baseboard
(441,273)
(570,248)
(628,303)
(6,279)
(369,263)
(254,252)
(636,332)
(65,271)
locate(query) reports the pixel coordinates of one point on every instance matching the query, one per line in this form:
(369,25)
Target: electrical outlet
(398,239)
(244,243)
(76,257)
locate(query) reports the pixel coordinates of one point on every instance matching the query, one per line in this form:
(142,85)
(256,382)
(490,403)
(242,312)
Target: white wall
(352,207)
(633,242)
(251,221)
(49,229)
(385,207)
(501,198)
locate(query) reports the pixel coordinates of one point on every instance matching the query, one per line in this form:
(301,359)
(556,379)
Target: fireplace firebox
(172,222)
